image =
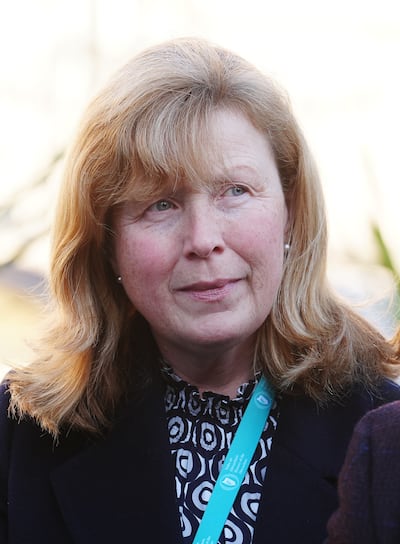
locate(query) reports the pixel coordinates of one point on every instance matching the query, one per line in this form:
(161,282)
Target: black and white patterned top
(201,430)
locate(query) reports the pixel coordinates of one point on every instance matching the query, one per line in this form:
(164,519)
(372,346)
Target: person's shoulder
(344,410)
(391,409)
(375,442)
(6,428)
(24,437)
(8,421)
(4,404)
(4,392)
(383,420)
(377,434)
(368,484)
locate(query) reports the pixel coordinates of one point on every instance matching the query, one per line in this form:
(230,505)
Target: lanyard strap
(236,464)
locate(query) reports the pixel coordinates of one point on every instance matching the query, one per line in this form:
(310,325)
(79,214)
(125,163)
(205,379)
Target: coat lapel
(124,484)
(308,450)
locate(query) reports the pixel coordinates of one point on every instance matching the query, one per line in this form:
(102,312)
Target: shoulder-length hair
(147,126)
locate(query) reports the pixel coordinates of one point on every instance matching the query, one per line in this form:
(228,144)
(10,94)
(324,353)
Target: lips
(210,291)
(208,285)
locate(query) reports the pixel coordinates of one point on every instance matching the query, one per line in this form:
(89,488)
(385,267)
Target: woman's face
(204,266)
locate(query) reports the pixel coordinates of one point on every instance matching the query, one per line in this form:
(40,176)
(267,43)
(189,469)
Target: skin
(203,266)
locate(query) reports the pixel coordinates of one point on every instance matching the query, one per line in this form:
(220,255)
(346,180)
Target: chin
(221,340)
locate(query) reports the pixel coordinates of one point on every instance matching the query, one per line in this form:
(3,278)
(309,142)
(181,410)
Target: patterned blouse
(201,429)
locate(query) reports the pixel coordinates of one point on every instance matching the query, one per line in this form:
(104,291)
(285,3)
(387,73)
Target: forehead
(238,143)
(227,145)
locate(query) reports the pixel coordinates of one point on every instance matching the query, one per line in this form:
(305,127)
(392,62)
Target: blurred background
(339,62)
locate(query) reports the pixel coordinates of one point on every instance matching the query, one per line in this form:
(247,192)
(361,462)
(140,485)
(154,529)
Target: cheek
(263,237)
(264,251)
(140,259)
(266,256)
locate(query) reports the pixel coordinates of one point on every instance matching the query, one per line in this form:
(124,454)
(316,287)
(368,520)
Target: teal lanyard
(236,464)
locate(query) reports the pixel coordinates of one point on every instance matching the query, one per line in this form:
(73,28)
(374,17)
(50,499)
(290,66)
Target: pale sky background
(339,62)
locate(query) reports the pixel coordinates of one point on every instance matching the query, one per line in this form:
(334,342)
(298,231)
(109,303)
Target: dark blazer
(121,488)
(369,485)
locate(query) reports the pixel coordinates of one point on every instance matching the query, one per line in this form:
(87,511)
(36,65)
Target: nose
(203,233)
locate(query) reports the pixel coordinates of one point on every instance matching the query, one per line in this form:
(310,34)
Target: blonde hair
(147,126)
(395,341)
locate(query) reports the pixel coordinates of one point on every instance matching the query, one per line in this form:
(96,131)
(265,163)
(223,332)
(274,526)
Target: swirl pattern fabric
(201,430)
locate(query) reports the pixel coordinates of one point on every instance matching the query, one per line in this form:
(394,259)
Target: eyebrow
(241,168)
(234,173)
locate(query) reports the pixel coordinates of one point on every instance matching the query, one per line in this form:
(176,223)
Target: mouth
(209,285)
(210,290)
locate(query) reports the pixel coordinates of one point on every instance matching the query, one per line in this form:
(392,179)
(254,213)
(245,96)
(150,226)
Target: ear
(115,267)
(115,270)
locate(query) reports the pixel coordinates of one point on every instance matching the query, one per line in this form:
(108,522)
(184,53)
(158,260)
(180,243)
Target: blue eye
(236,190)
(161,206)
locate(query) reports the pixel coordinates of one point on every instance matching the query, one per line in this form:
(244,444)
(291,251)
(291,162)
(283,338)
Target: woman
(188,266)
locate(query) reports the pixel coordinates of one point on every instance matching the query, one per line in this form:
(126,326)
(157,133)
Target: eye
(236,190)
(161,206)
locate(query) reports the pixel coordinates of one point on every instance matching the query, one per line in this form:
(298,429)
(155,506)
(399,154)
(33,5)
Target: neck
(220,373)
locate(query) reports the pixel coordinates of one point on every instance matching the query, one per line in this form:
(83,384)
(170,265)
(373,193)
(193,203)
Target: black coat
(121,488)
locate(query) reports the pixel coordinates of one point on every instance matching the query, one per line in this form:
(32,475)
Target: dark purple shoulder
(384,420)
